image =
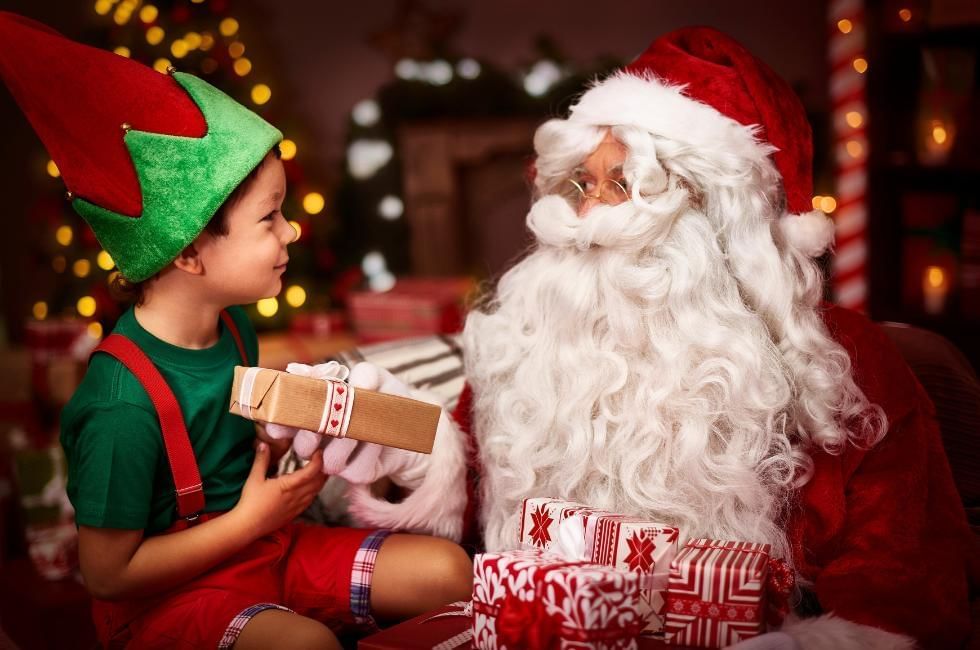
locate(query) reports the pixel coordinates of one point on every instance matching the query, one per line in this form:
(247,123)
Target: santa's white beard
(619,366)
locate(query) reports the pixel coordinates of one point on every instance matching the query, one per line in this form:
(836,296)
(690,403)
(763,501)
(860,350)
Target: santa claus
(663,351)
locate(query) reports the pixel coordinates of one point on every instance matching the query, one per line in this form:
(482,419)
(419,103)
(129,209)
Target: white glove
(362,463)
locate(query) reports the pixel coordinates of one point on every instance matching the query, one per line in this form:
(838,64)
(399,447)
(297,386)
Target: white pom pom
(810,232)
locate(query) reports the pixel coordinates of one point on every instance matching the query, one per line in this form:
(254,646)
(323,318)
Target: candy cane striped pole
(848,66)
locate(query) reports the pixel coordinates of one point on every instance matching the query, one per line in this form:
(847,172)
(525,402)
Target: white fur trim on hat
(663,109)
(811,232)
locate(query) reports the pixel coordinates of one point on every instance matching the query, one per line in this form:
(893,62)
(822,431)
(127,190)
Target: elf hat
(147,158)
(702,88)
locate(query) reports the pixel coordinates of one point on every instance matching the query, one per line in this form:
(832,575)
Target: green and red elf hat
(147,158)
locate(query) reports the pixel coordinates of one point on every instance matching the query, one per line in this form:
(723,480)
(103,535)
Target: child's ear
(190,261)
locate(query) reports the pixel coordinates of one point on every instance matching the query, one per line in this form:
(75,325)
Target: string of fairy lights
(199,37)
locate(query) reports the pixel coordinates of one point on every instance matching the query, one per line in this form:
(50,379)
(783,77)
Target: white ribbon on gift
(338,392)
(461,608)
(575,540)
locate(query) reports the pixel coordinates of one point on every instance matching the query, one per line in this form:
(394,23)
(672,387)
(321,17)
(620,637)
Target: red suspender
(180,454)
(230,324)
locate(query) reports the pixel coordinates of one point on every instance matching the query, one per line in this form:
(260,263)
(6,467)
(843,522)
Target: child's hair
(128,292)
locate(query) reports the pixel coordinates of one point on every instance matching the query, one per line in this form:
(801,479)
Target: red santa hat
(700,87)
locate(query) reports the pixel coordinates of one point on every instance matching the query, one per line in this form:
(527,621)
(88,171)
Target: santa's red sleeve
(881,533)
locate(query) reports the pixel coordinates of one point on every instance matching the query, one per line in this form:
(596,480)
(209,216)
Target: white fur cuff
(436,507)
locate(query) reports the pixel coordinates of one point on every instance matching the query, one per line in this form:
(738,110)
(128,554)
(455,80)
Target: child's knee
(450,570)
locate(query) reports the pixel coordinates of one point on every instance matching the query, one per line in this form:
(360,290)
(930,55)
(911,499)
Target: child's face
(247,264)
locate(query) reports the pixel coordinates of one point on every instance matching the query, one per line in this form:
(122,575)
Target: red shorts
(319,572)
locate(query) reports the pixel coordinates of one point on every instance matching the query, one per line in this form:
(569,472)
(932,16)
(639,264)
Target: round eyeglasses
(608,191)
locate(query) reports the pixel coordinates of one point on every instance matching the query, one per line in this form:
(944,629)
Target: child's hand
(268,504)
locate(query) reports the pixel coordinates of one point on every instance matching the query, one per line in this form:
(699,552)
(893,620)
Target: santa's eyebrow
(615,169)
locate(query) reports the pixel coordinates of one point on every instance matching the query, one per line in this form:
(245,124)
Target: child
(183,540)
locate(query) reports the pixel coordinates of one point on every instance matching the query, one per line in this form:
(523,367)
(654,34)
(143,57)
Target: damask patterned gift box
(580,532)
(535,600)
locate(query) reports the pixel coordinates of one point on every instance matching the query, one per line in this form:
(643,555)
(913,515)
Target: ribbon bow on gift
(306,442)
(523,624)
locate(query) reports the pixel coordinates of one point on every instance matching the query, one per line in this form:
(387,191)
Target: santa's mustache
(630,226)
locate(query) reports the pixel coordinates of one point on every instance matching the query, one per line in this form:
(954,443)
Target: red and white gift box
(716,595)
(623,542)
(535,600)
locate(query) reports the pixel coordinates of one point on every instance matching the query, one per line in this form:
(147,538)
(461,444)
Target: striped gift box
(716,593)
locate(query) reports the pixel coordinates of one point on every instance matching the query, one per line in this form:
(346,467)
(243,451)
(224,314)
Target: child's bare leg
(416,573)
(274,628)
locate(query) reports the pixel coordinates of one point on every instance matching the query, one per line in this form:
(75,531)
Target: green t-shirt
(118,473)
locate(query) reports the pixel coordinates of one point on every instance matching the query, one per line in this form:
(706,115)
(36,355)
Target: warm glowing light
(905,14)
(104,260)
(935,276)
(261,93)
(939,133)
(295,296)
(207,41)
(828,204)
(52,168)
(313,203)
(861,65)
(236,49)
(242,67)
(193,40)
(179,48)
(122,15)
(816,202)
(854,119)
(40,310)
(64,235)
(149,13)
(267,307)
(81,268)
(95,330)
(845,26)
(161,65)
(154,35)
(298,228)
(86,306)
(59,263)
(122,50)
(102,7)
(288,149)
(228,27)
(854,148)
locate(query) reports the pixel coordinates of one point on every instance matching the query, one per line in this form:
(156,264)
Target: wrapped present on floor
(413,307)
(334,408)
(530,599)
(52,539)
(721,593)
(579,532)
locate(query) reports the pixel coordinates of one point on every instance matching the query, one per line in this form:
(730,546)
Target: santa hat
(147,158)
(700,87)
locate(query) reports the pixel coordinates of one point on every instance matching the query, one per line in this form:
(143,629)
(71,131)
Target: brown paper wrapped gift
(296,401)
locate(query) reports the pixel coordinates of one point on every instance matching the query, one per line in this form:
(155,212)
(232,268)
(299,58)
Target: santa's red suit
(697,303)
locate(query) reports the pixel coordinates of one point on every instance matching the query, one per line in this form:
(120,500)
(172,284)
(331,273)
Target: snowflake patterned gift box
(716,595)
(623,542)
(539,601)
(541,517)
